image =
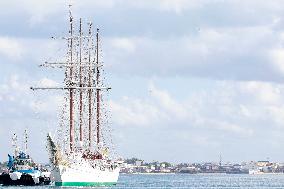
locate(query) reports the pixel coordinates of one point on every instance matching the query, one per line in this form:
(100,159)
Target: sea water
(191,181)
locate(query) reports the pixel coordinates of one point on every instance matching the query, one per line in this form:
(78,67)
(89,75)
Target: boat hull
(84,176)
(23,180)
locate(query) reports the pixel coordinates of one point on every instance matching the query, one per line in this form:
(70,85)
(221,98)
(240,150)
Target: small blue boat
(22,170)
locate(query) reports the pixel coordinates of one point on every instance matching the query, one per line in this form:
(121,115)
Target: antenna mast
(15,144)
(26,140)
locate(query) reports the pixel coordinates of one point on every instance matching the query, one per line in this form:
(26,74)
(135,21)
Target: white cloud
(276,114)
(136,113)
(265,92)
(162,110)
(45,82)
(11,48)
(125,44)
(225,126)
(36,10)
(245,111)
(48,106)
(159,109)
(232,108)
(277,58)
(39,10)
(13,88)
(16,93)
(178,6)
(199,53)
(219,53)
(167,103)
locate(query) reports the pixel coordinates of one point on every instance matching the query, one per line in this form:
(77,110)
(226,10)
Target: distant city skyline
(190,78)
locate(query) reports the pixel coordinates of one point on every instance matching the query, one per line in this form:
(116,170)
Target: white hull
(85,175)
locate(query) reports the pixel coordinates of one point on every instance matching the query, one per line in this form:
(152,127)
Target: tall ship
(21,169)
(81,151)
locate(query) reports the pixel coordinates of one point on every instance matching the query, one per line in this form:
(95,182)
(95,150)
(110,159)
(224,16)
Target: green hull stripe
(84,183)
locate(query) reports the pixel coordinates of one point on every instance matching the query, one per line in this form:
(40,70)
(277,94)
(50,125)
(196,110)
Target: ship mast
(98,90)
(82,74)
(71,131)
(90,91)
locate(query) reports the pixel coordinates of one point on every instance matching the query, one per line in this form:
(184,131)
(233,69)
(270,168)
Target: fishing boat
(22,170)
(81,151)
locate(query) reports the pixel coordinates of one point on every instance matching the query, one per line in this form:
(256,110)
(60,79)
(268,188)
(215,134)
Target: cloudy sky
(191,79)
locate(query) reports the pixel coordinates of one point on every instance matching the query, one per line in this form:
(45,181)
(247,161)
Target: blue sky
(191,78)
